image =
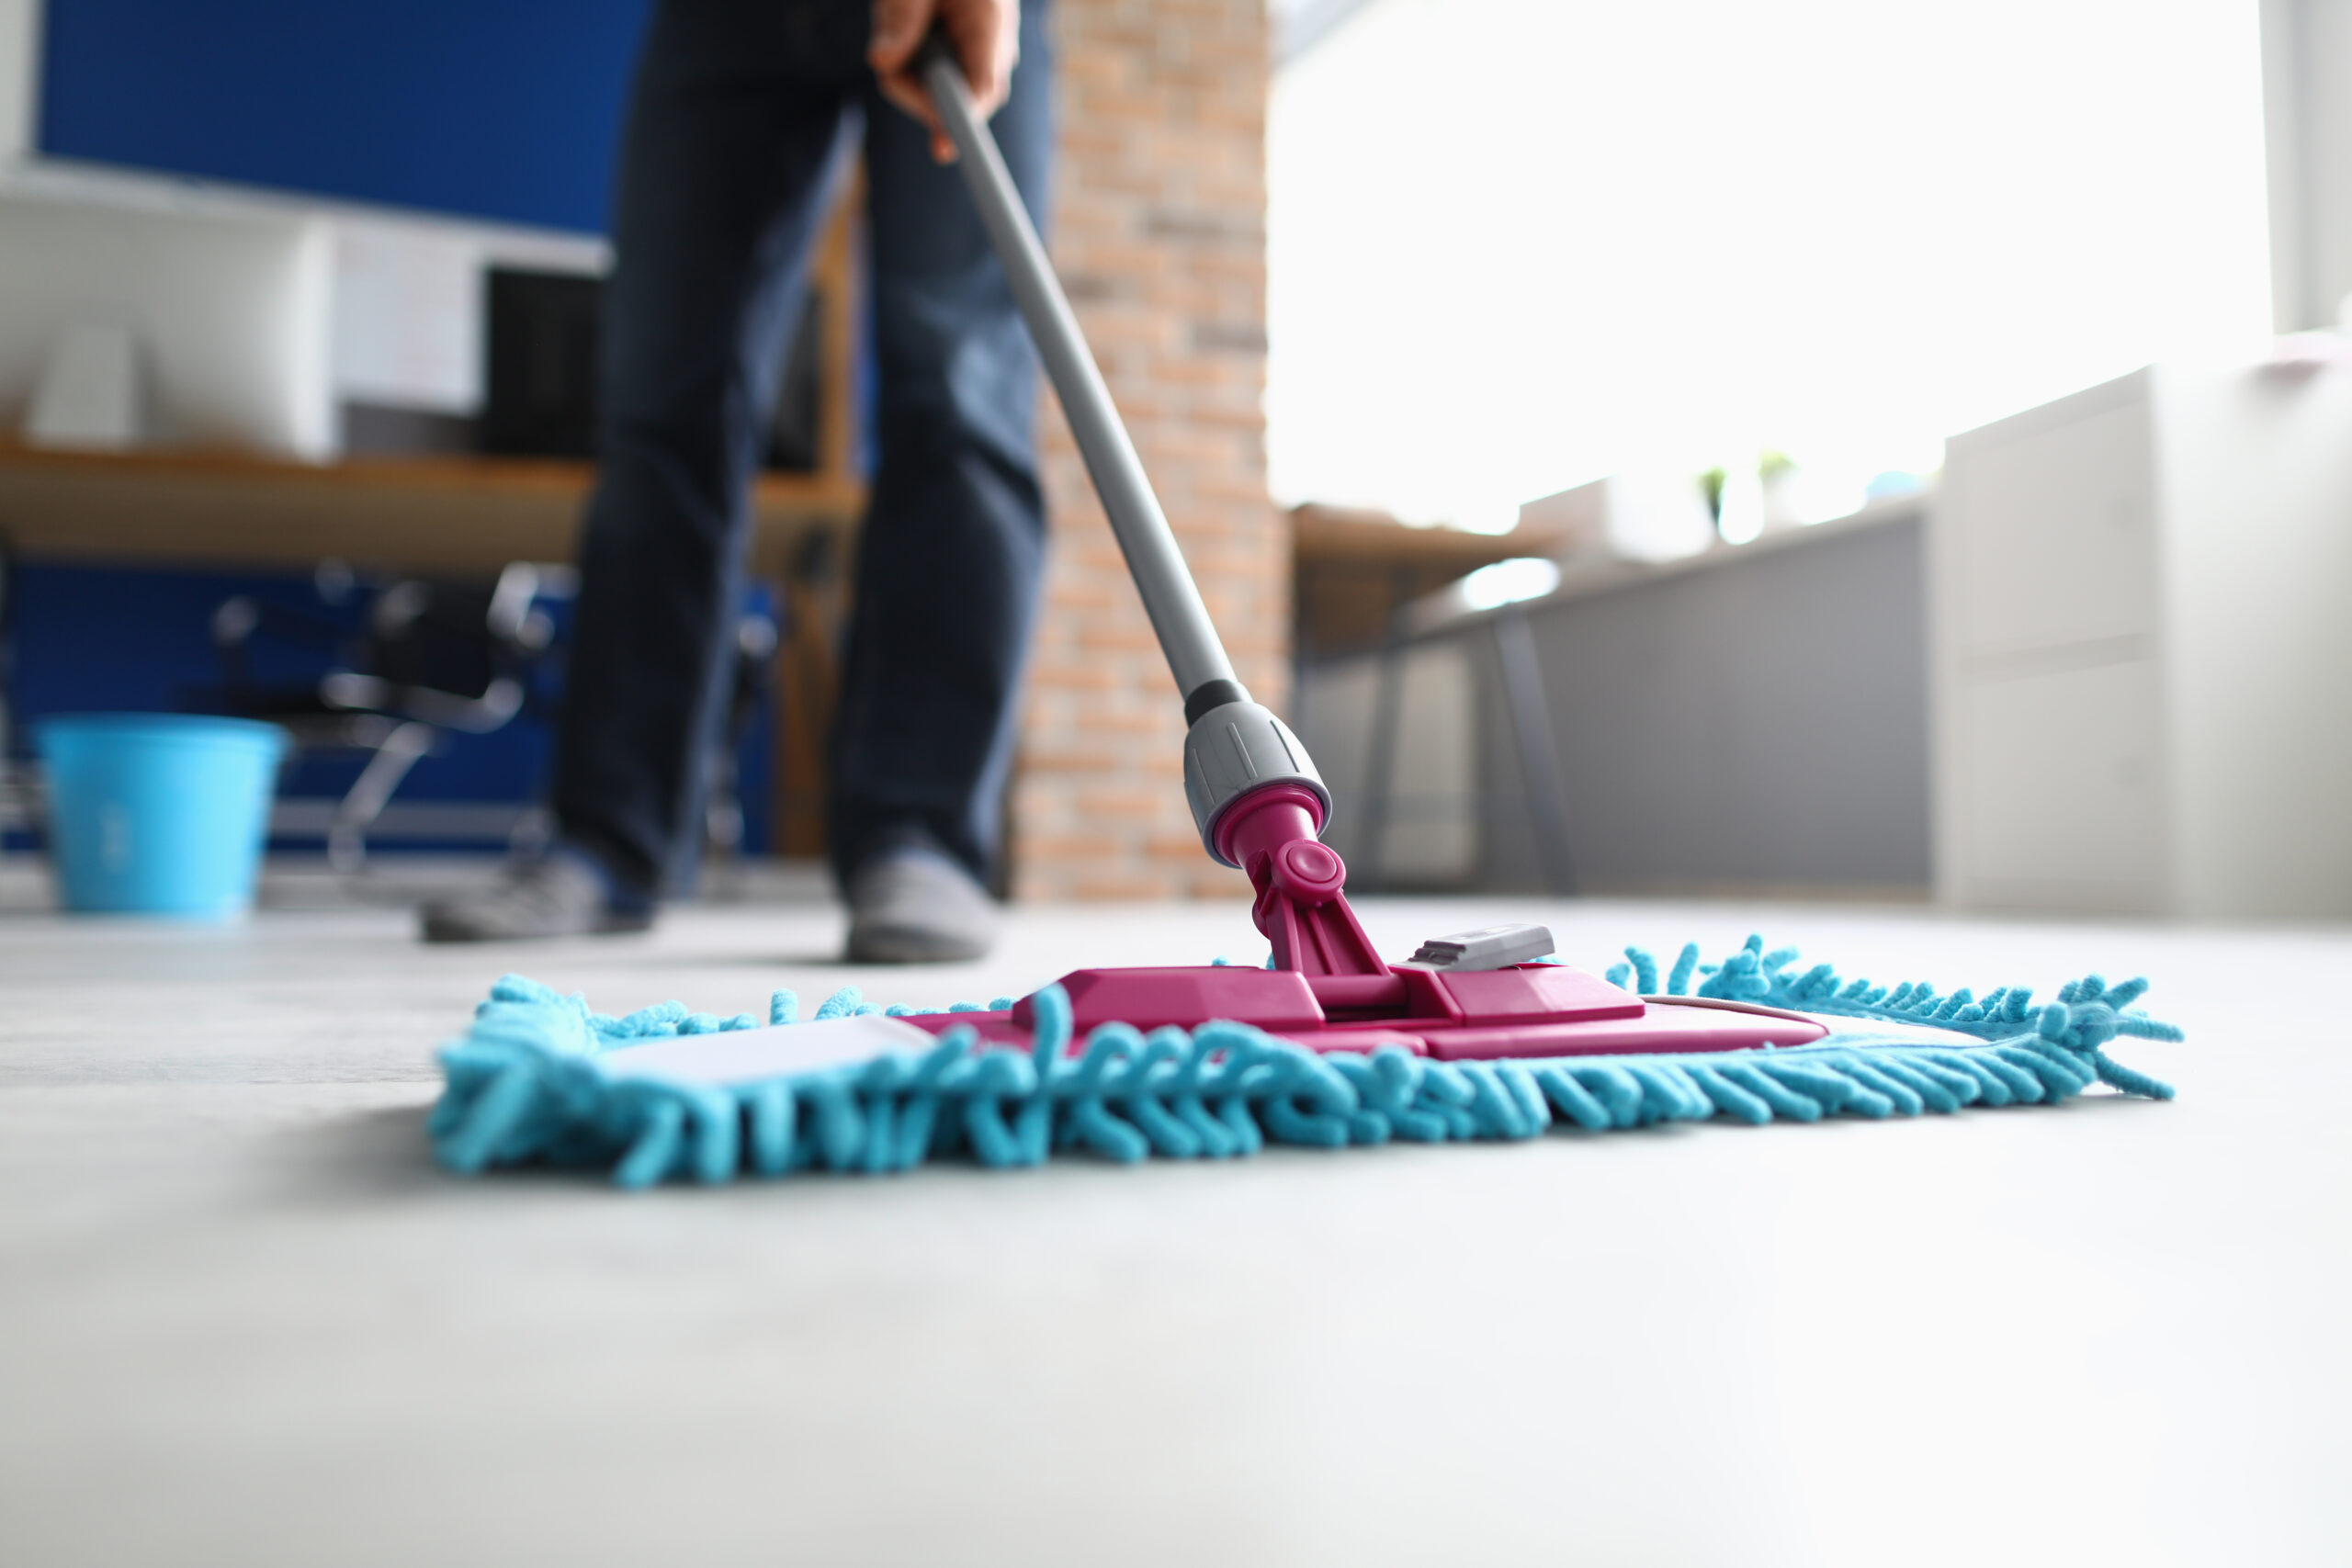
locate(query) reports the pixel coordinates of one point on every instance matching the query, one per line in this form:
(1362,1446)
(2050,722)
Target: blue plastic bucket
(158,814)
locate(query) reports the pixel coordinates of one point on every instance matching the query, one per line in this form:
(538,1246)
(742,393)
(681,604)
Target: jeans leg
(953,552)
(736,123)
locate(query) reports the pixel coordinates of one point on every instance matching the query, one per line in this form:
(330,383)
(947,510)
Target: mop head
(663,1093)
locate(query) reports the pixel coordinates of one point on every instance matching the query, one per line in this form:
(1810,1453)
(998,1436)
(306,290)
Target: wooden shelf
(457,515)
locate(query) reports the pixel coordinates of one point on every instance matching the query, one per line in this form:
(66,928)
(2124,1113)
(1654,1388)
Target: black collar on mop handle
(1211,694)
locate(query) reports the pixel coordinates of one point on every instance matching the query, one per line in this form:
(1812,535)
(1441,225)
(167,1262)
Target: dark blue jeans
(743,113)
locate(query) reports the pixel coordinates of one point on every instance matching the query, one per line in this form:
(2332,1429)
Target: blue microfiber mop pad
(538,1079)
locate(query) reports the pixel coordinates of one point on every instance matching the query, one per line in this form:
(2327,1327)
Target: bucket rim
(220,728)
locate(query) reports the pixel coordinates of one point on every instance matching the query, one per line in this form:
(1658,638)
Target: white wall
(2307,85)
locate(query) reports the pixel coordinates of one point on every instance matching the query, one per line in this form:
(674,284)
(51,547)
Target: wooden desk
(435,516)
(1353,571)
(468,516)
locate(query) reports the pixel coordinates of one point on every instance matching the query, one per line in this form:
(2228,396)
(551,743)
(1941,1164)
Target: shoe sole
(902,945)
(441,930)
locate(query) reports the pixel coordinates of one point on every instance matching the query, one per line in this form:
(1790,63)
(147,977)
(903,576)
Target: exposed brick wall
(1159,235)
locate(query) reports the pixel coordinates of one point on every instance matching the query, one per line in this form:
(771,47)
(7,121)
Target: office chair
(431,660)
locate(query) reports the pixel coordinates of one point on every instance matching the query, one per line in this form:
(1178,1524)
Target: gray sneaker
(559,894)
(913,903)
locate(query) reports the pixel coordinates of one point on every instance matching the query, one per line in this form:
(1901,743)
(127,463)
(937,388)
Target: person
(743,113)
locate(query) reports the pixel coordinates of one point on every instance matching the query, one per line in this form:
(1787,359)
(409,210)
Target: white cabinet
(2083,831)
(2141,600)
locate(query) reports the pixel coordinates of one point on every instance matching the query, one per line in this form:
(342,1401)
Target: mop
(1481,1034)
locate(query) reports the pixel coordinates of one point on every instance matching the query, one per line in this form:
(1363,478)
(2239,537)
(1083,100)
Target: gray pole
(1195,656)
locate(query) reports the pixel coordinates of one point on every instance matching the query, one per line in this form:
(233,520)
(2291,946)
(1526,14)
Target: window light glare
(1509,582)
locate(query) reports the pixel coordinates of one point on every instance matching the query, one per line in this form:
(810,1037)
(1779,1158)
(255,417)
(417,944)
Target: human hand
(985,34)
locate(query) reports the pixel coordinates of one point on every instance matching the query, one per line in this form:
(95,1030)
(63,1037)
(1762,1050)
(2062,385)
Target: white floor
(242,1319)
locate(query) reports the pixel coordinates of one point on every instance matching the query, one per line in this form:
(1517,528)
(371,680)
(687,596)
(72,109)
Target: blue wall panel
(506,110)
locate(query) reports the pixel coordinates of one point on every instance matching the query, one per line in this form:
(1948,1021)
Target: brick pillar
(1159,235)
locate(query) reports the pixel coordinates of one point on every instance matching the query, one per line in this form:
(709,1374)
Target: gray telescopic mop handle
(1235,749)
(1187,636)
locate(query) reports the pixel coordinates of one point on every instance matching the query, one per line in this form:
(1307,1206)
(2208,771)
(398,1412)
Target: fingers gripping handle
(1196,655)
